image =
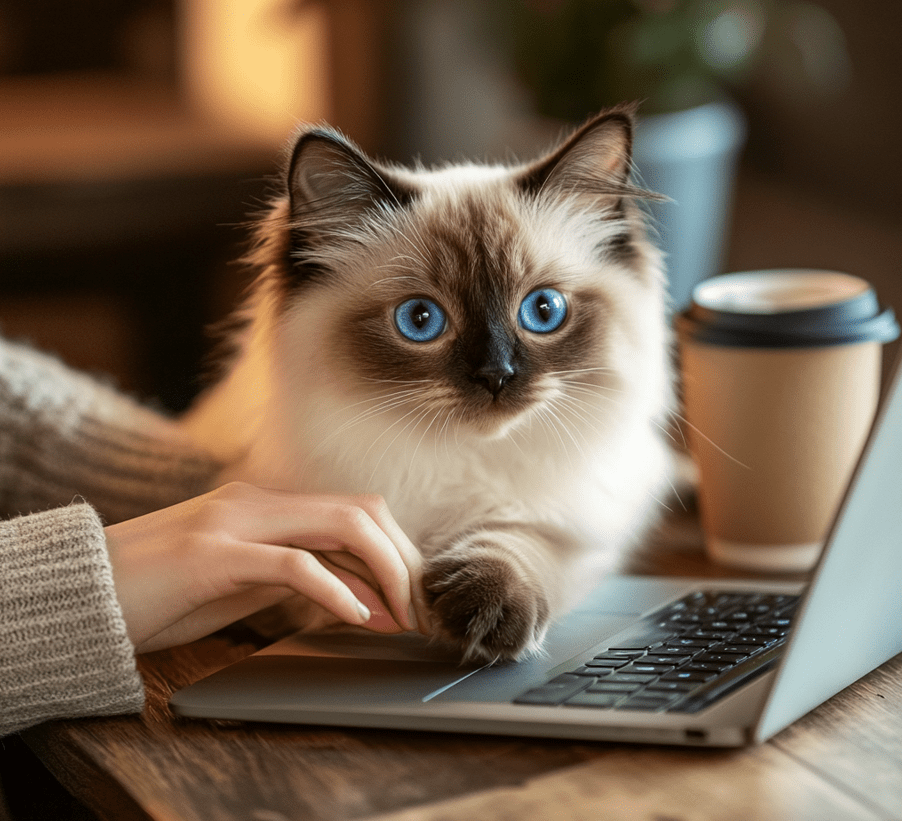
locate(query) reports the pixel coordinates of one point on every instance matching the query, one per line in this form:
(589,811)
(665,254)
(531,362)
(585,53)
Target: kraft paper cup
(781,377)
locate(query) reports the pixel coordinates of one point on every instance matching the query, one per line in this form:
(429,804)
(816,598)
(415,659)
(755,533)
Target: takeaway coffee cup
(781,377)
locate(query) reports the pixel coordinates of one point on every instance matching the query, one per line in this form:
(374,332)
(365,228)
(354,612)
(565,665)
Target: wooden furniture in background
(116,196)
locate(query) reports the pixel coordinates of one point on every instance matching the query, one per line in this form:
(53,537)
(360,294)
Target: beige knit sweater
(74,455)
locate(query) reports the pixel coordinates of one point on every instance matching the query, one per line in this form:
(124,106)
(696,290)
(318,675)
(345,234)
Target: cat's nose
(494,377)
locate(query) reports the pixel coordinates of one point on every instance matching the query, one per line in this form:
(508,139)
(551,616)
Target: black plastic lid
(736,322)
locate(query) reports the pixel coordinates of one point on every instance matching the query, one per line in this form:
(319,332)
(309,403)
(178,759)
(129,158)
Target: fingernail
(364,611)
(412,615)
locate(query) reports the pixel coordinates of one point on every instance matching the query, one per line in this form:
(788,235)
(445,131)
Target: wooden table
(842,761)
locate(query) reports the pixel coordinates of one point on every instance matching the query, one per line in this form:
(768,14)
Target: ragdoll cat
(483,346)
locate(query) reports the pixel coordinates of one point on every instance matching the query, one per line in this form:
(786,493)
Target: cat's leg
(492,589)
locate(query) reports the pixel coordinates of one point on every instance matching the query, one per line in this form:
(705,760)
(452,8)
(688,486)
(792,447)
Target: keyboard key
(634,649)
(710,634)
(717,656)
(683,643)
(652,701)
(657,658)
(670,686)
(621,653)
(744,649)
(706,667)
(683,652)
(563,678)
(686,618)
(632,678)
(592,671)
(608,686)
(757,641)
(597,700)
(764,631)
(555,691)
(696,676)
(641,667)
(609,661)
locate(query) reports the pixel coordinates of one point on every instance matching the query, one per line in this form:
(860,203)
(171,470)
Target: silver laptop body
(848,622)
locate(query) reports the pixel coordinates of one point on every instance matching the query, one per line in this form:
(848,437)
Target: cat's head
(473,298)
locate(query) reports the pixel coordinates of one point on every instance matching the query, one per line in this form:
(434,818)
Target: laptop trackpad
(284,681)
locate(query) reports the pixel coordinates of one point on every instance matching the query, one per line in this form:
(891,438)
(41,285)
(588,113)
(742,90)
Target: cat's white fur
(589,474)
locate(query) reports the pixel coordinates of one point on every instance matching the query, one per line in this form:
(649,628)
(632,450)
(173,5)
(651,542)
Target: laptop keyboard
(681,658)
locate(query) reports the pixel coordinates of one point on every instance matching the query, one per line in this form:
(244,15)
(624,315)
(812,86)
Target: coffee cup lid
(786,309)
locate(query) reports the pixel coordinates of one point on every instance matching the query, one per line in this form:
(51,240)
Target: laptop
(641,659)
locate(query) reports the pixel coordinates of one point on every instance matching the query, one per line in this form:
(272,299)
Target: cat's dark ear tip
(309,134)
(626,113)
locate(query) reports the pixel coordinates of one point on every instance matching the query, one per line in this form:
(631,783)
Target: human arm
(65,434)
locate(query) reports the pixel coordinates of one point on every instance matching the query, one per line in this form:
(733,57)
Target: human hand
(184,572)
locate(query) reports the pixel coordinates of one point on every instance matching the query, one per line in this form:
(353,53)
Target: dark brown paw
(485,604)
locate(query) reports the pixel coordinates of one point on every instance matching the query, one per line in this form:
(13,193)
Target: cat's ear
(331,183)
(594,162)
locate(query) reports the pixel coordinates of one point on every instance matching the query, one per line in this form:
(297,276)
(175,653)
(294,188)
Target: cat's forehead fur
(470,229)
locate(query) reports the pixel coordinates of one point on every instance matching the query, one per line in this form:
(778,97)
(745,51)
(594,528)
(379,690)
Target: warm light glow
(258,65)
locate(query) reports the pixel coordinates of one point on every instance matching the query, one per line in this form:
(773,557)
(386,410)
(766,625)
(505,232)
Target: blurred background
(138,136)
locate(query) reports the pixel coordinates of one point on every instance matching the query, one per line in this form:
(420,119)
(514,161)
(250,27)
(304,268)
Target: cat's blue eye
(420,320)
(543,311)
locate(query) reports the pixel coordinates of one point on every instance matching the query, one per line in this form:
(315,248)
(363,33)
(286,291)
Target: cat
(484,346)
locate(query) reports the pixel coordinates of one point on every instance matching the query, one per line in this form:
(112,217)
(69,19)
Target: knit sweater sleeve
(64,650)
(66,437)
(64,434)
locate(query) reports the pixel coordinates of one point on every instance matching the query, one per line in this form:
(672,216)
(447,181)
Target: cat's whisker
(386,403)
(579,410)
(661,502)
(590,390)
(443,433)
(567,405)
(349,423)
(591,387)
(676,494)
(418,414)
(435,416)
(538,417)
(589,398)
(598,369)
(516,433)
(664,430)
(396,381)
(708,439)
(370,413)
(553,421)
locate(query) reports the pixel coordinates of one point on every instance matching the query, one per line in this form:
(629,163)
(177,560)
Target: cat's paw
(486,604)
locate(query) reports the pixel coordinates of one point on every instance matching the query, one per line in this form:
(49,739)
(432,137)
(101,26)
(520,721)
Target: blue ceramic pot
(691,156)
